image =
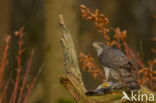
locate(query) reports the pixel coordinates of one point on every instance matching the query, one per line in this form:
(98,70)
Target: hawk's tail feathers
(128,80)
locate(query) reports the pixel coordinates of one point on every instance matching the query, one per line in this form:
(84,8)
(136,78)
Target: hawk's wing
(114,58)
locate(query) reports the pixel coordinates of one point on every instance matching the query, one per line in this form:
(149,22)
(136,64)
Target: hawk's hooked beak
(95,44)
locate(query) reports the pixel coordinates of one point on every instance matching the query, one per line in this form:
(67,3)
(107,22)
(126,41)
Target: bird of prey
(116,65)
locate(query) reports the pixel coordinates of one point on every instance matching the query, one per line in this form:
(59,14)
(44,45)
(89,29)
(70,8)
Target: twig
(32,84)
(14,93)
(25,77)
(4,92)
(3,63)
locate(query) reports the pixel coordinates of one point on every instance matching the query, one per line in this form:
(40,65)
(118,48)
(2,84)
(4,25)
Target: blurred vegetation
(39,17)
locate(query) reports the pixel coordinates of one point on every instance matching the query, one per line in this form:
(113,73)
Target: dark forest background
(39,17)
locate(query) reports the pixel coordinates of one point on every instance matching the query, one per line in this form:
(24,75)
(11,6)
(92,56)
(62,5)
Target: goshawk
(116,65)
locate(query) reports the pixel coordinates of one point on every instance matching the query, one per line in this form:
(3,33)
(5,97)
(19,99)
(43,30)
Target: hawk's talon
(104,85)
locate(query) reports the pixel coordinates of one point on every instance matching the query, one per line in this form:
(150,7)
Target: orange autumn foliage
(88,63)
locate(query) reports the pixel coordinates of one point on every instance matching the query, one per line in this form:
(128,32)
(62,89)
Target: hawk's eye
(101,44)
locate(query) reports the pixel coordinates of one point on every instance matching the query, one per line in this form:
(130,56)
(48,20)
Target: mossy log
(72,80)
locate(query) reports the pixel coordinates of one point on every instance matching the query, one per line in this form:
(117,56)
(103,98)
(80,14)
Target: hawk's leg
(107,73)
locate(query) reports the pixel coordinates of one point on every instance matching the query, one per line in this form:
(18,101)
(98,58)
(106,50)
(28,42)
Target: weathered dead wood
(72,80)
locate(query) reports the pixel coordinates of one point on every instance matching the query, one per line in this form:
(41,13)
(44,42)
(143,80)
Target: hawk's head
(99,46)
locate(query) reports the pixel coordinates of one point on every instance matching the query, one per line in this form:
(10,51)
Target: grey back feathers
(113,58)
